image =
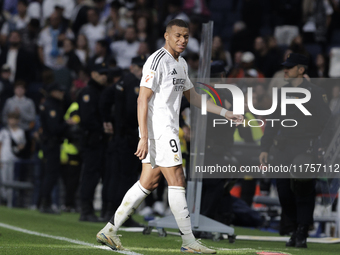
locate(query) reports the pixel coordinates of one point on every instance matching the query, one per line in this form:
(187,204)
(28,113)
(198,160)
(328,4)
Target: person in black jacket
(94,141)
(297,196)
(23,65)
(123,166)
(53,130)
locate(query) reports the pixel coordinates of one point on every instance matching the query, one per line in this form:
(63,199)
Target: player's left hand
(236,118)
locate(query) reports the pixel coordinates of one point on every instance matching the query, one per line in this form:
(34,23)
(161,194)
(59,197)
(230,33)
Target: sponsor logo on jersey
(173,72)
(178,81)
(148,77)
(179,88)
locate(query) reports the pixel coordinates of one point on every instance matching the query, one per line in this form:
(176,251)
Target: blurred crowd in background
(45,42)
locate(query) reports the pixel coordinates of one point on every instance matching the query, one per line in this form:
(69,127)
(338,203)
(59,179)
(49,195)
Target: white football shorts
(164,152)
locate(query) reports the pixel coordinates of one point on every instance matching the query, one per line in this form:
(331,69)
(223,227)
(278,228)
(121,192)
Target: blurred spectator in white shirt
(12,141)
(17,22)
(50,41)
(125,50)
(114,26)
(93,30)
(48,7)
(82,49)
(34,10)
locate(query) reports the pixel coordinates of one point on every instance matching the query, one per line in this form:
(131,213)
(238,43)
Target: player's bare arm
(195,99)
(142,113)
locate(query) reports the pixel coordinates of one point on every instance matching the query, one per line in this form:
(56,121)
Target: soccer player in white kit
(165,79)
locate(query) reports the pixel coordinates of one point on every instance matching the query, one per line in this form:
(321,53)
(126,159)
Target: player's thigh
(174,175)
(150,177)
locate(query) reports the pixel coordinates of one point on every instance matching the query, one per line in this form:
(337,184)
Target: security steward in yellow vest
(70,159)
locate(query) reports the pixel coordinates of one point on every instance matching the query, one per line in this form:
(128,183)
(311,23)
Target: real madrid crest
(176,158)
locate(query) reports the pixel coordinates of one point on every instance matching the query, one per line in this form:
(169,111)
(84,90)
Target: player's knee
(178,181)
(149,185)
(154,186)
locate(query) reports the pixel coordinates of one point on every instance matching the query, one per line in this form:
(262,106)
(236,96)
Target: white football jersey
(167,78)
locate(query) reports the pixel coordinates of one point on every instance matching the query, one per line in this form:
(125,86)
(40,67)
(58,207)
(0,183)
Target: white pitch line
(61,238)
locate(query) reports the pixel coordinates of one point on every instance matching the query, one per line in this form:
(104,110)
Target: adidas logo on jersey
(173,72)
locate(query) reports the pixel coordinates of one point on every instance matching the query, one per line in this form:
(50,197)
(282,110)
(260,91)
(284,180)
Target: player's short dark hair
(176,22)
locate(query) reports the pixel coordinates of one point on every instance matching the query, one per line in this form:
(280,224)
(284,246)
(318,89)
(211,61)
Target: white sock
(109,228)
(132,199)
(179,208)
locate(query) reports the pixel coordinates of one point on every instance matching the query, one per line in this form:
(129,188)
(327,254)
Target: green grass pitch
(64,234)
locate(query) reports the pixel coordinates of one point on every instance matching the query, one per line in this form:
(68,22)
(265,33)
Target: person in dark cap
(217,69)
(295,59)
(136,66)
(297,197)
(121,123)
(93,145)
(53,131)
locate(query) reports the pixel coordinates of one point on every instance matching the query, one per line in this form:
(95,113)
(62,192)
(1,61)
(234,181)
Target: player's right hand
(263,158)
(236,118)
(142,148)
